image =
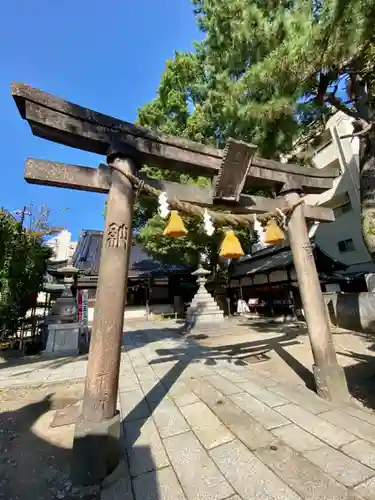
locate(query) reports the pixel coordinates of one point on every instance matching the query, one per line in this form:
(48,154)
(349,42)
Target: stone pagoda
(203,309)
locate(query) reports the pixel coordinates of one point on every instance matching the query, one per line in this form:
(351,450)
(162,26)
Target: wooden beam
(266,177)
(64,175)
(98,180)
(66,123)
(65,129)
(233,171)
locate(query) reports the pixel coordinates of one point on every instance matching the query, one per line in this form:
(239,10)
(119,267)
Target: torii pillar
(97,433)
(329,376)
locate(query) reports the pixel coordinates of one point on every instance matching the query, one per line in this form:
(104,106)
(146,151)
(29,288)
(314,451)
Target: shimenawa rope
(220,218)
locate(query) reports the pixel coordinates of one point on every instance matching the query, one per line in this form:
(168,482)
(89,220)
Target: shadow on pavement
(360,376)
(33,467)
(55,460)
(12,358)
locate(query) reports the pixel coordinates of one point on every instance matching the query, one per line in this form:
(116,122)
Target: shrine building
(153,287)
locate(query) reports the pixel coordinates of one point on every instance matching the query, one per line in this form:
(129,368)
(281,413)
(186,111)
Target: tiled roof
(87,258)
(280,257)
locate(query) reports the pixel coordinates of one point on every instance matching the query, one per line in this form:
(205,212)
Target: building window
(346,245)
(343,209)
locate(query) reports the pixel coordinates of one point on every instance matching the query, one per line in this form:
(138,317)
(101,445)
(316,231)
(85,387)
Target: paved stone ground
(36,370)
(198,424)
(287,353)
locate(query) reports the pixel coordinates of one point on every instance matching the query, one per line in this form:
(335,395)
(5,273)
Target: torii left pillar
(96,450)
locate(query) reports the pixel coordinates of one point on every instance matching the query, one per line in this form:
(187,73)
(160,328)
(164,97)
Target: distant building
(269,276)
(153,287)
(341,239)
(63,249)
(62,246)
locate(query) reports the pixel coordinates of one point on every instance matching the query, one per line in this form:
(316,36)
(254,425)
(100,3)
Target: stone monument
(65,334)
(203,309)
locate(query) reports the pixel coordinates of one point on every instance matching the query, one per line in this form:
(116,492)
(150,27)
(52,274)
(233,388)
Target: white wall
(344,154)
(62,245)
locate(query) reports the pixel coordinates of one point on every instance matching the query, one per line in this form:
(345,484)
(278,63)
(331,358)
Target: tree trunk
(366,159)
(367,191)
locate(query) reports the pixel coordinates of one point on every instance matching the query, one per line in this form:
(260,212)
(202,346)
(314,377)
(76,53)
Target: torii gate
(127,147)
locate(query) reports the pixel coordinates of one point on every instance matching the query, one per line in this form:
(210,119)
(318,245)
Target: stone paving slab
(250,477)
(242,425)
(128,383)
(181,394)
(216,397)
(133,405)
(362,451)
(169,420)
(267,396)
(362,414)
(207,427)
(158,485)
(317,426)
(356,426)
(153,390)
(305,478)
(145,449)
(265,415)
(302,397)
(223,385)
(197,473)
(297,438)
(198,425)
(344,469)
(367,489)
(118,485)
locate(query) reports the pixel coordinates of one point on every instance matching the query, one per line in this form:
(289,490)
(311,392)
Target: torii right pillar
(329,376)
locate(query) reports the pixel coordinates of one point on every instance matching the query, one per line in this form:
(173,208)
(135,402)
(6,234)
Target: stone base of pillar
(96,450)
(331,383)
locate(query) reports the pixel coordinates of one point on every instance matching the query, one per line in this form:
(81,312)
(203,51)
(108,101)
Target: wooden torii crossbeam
(99,180)
(128,147)
(61,121)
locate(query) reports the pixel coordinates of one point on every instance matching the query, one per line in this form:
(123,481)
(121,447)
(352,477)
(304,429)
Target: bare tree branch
(334,101)
(360,133)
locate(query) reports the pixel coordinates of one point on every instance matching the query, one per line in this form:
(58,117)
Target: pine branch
(342,66)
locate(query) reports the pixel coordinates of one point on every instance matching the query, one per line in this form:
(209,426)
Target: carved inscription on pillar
(117,236)
(308,251)
(102,390)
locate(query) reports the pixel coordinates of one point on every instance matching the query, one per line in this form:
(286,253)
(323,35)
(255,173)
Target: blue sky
(105,55)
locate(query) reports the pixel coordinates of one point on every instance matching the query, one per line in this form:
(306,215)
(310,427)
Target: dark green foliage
(23,260)
(262,73)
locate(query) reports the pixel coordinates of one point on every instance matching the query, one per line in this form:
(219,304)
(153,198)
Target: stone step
(200,307)
(195,303)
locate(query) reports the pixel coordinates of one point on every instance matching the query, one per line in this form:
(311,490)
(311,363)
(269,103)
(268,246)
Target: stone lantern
(203,309)
(65,335)
(64,310)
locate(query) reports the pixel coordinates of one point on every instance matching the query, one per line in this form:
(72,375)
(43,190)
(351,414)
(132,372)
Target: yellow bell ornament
(274,234)
(231,247)
(175,227)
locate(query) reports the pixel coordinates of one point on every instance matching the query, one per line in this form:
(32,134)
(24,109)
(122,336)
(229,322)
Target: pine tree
(263,71)
(323,59)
